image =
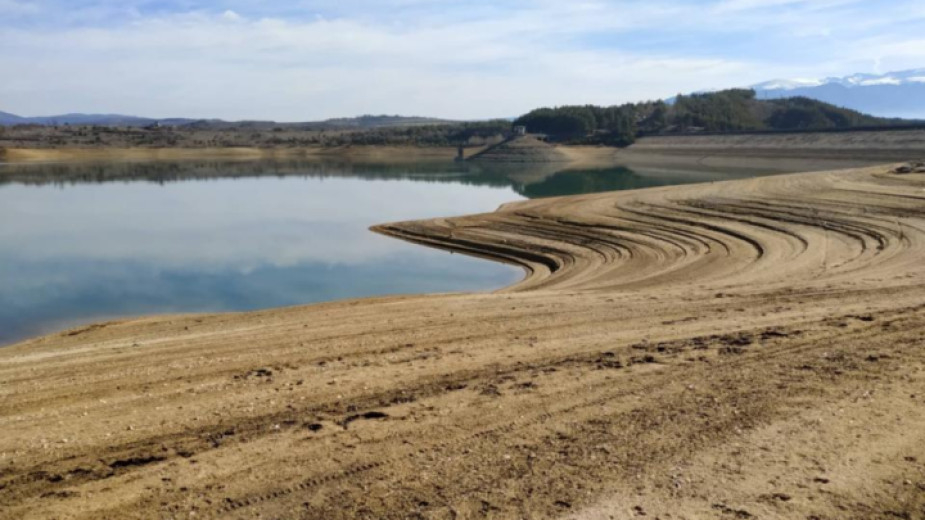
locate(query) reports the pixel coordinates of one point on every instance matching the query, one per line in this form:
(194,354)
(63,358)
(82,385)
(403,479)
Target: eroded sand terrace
(731,350)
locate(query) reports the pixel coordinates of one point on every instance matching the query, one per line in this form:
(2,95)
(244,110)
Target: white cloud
(880,81)
(231,16)
(481,61)
(194,65)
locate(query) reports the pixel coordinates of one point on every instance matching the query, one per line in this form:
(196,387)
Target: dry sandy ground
(748,349)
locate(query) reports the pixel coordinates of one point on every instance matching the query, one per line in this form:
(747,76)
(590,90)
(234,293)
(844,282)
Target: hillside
(10,119)
(525,149)
(734,110)
(727,111)
(202,135)
(383,121)
(128,121)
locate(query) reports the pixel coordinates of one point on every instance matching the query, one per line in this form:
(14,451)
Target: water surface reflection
(86,242)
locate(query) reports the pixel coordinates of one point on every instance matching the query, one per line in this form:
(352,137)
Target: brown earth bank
(880,145)
(744,349)
(757,151)
(521,149)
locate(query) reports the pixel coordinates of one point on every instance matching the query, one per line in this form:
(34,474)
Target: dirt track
(751,349)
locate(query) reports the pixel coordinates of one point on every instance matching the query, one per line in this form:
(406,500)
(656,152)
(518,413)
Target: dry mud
(747,349)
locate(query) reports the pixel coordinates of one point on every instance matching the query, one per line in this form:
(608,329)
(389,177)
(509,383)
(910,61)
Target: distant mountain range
(366,121)
(88,119)
(895,94)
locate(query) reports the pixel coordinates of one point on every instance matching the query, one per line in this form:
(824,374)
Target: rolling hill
(120,120)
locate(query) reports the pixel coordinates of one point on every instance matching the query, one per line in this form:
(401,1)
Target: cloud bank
(307,60)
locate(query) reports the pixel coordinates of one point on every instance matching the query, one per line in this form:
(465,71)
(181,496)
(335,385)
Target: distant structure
(520,130)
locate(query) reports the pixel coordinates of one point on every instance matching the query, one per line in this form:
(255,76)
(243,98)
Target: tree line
(724,111)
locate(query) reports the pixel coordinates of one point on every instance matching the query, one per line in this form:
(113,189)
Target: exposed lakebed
(90,242)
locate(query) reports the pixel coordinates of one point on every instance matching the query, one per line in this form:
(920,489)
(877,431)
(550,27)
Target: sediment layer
(879,145)
(731,350)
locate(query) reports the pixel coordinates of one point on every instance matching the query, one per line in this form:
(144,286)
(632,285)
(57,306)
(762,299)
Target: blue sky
(313,59)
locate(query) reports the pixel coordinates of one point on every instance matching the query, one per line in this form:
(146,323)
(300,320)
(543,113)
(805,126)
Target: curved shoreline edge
(749,348)
(739,229)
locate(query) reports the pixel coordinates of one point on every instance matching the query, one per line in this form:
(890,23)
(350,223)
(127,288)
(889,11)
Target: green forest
(725,111)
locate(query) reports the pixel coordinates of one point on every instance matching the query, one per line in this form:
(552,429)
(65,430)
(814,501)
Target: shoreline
(848,148)
(666,340)
(362,154)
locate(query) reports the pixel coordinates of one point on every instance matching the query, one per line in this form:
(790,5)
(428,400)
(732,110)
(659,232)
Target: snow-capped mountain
(905,77)
(895,94)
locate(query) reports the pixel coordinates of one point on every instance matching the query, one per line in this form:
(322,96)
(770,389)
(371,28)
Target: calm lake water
(83,243)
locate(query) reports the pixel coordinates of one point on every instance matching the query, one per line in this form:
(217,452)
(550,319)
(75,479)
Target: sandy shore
(744,349)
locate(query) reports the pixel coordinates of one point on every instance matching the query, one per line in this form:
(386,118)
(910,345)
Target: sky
(303,60)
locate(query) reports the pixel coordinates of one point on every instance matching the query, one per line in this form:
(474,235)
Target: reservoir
(82,243)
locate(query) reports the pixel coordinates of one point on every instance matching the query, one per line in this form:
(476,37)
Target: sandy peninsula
(743,349)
